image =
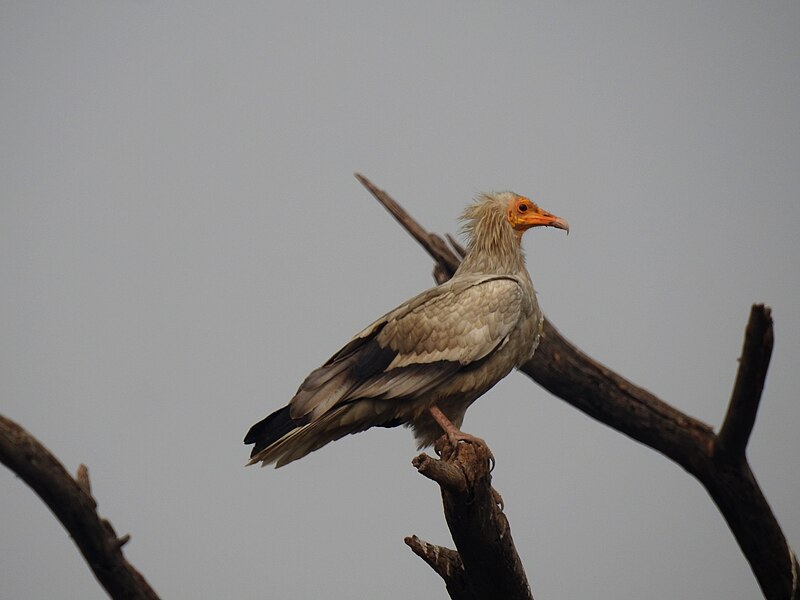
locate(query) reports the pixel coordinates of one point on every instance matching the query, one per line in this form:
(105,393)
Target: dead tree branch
(446,563)
(486,565)
(717,461)
(72,504)
(741,416)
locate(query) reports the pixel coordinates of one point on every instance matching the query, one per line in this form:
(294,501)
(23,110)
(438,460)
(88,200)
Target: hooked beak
(542,218)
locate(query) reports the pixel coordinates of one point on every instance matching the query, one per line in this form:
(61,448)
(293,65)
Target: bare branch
(480,530)
(446,563)
(593,388)
(460,250)
(445,474)
(72,504)
(741,415)
(561,368)
(432,243)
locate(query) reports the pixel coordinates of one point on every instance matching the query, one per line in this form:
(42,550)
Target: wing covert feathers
(408,353)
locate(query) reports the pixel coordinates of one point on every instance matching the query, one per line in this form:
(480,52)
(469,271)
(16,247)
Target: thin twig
(460,250)
(446,563)
(73,505)
(432,243)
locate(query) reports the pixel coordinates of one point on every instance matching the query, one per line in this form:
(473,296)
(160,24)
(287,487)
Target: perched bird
(423,363)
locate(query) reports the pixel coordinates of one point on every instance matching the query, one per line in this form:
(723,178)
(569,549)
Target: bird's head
(488,219)
(522,214)
(494,225)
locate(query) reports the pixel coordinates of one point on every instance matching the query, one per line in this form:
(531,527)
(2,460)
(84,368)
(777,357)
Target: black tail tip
(270,429)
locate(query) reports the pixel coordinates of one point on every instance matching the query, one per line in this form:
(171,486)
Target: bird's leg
(455,435)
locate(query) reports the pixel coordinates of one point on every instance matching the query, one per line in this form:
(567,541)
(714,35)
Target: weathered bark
(486,565)
(446,563)
(717,461)
(72,504)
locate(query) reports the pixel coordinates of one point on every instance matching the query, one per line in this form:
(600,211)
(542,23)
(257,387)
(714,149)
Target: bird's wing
(418,345)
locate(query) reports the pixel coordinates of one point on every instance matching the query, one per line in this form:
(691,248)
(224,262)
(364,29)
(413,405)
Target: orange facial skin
(524,214)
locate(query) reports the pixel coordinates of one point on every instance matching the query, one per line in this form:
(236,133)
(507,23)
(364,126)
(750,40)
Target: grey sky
(182,240)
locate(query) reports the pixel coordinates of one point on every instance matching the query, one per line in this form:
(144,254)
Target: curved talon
(492,461)
(459,436)
(455,435)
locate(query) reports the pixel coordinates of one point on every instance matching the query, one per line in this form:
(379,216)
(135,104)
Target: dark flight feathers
(358,361)
(360,366)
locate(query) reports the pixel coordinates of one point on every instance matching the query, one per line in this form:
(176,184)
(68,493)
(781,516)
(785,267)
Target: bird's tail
(270,430)
(280,439)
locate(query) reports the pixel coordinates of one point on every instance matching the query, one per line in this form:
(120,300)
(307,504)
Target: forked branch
(717,461)
(486,565)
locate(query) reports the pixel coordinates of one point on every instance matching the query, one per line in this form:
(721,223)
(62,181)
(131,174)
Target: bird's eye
(522,208)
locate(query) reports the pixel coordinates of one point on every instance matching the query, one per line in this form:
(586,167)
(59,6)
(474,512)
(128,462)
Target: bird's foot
(459,436)
(448,443)
(455,435)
